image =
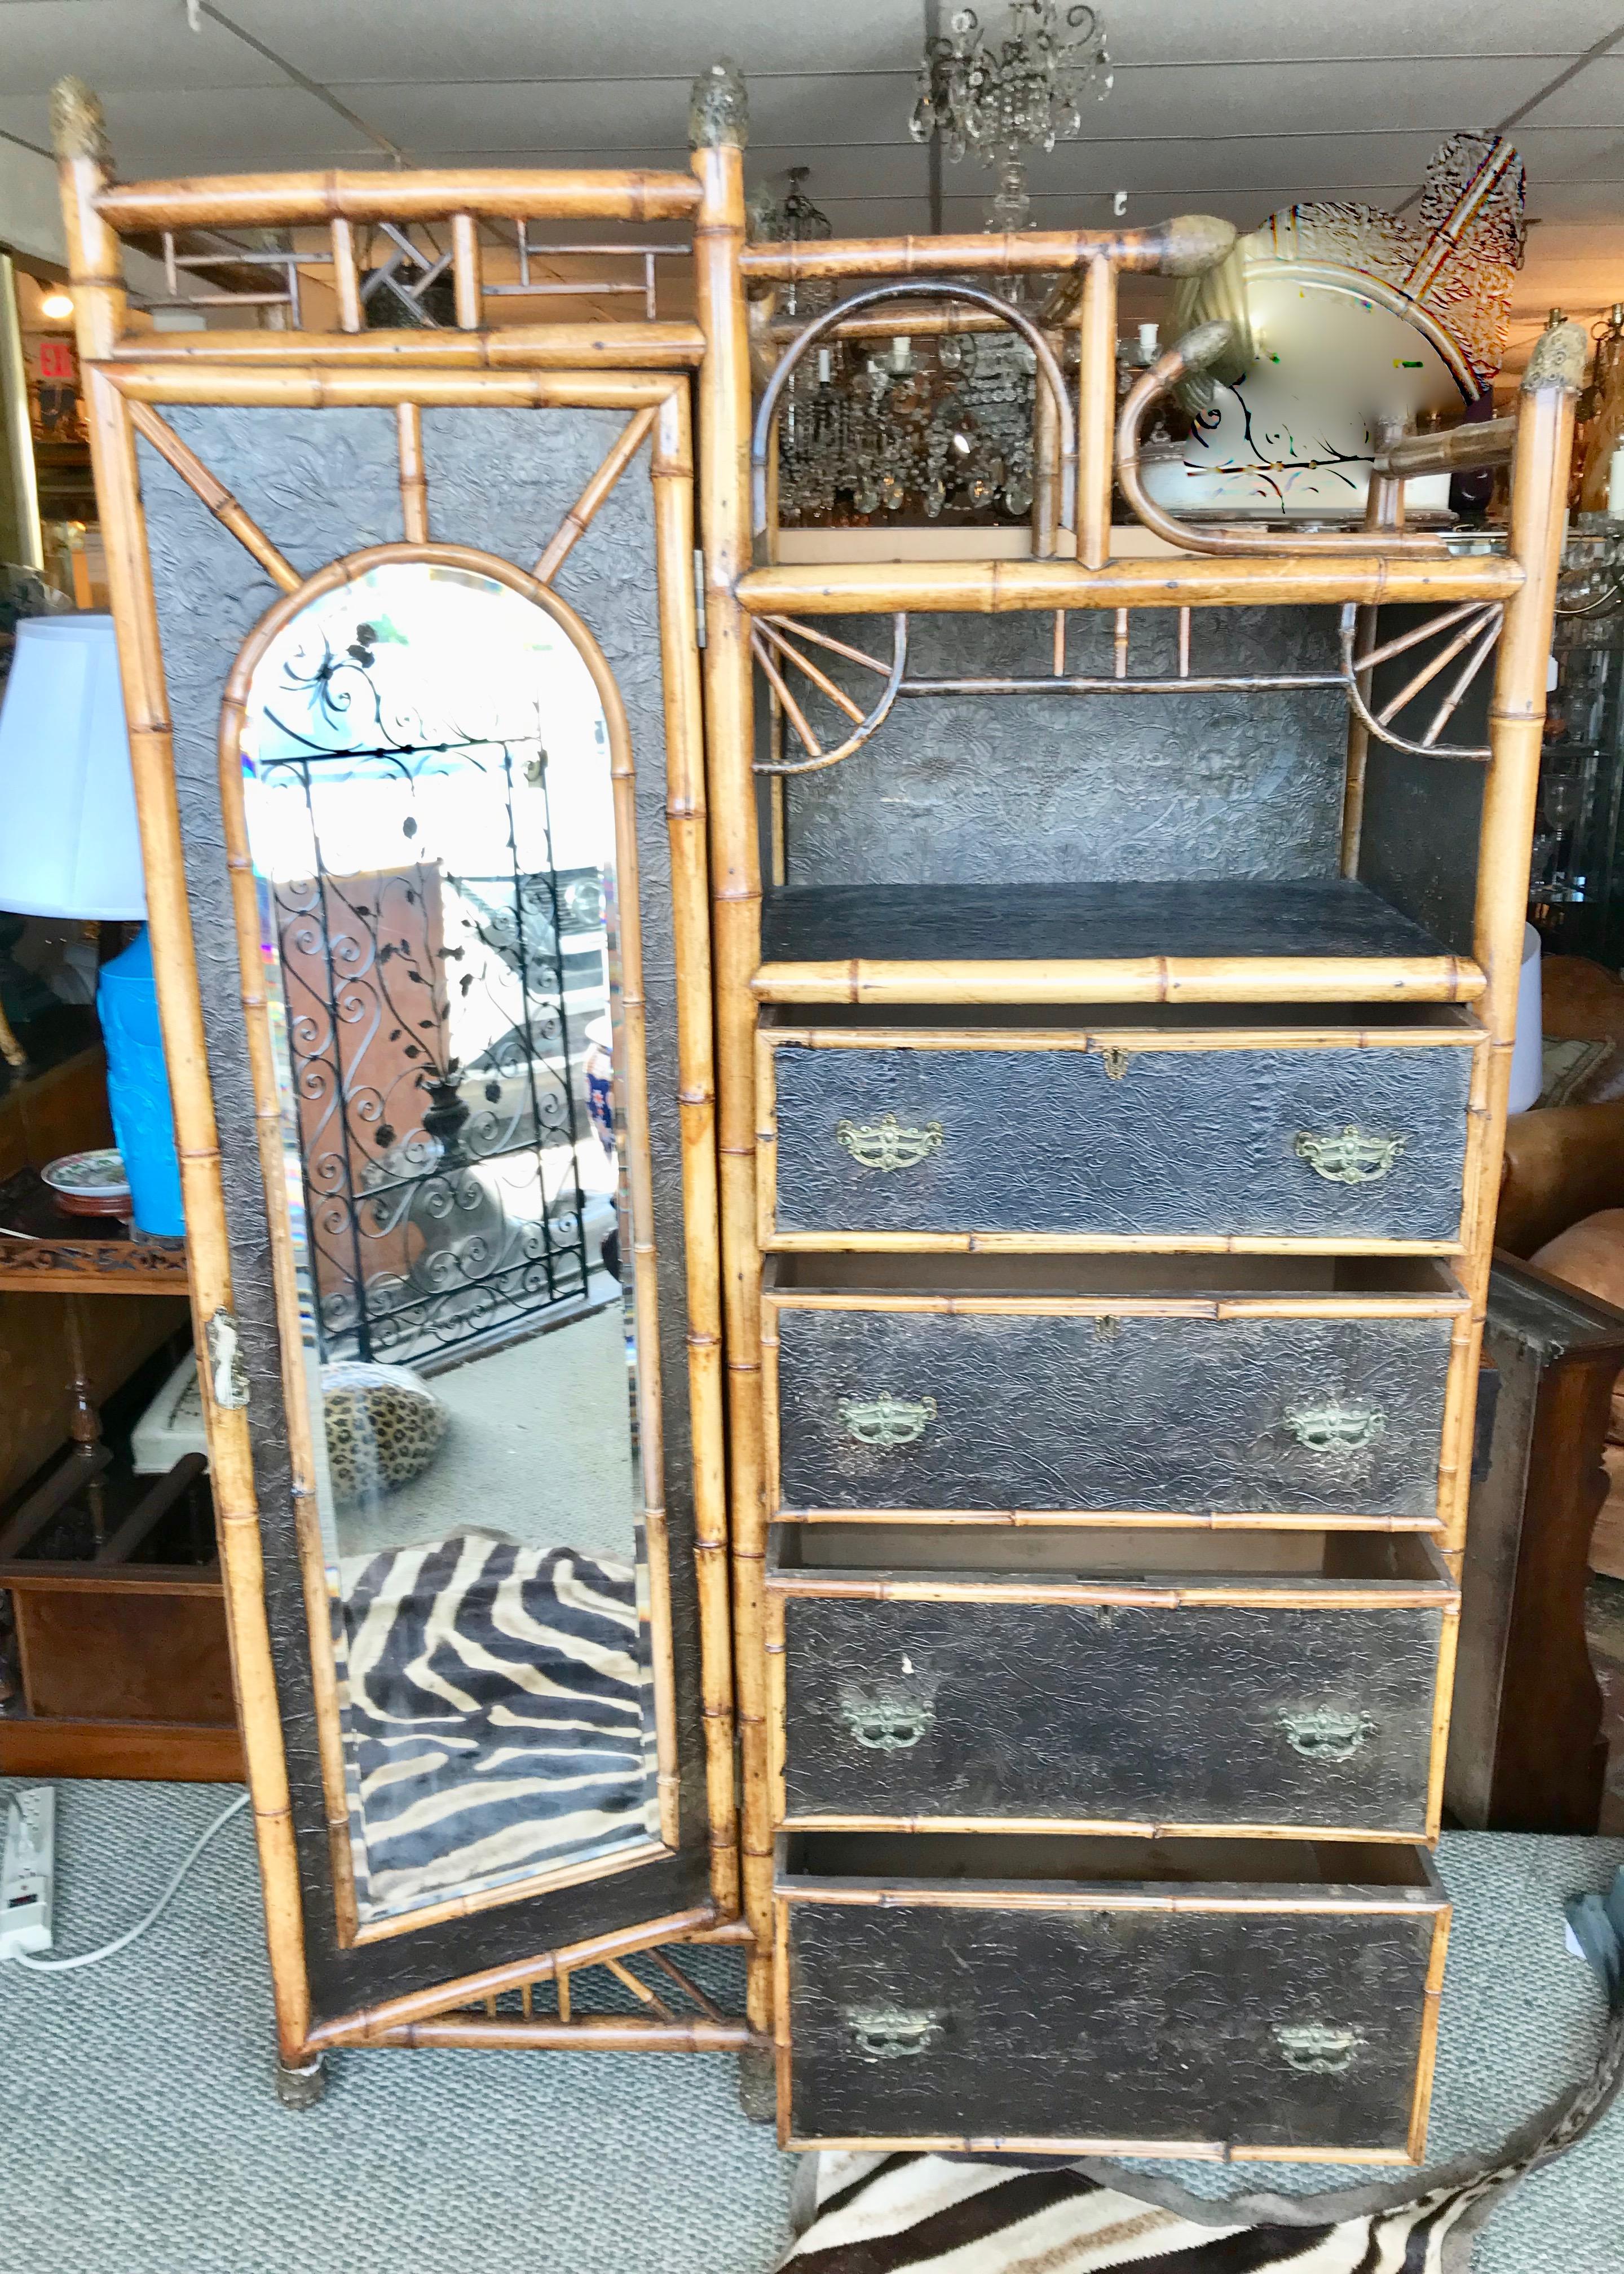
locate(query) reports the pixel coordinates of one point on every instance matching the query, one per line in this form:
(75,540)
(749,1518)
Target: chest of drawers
(1125,1085)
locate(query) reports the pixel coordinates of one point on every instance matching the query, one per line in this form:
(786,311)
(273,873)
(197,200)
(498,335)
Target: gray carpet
(140,2136)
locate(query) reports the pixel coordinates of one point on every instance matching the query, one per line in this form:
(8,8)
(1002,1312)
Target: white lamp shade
(70,845)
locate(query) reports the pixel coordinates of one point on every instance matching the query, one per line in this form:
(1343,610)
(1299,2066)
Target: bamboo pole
(998,587)
(214,495)
(601,2032)
(467,277)
(1516,722)
(1128,979)
(718,132)
(1186,246)
(1045,474)
(80,137)
(578,519)
(339,387)
(1096,412)
(308,200)
(414,478)
(295,1385)
(608,347)
(367,2024)
(346,277)
(686,821)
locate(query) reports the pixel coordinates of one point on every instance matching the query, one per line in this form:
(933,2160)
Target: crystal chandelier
(1023,94)
(929,426)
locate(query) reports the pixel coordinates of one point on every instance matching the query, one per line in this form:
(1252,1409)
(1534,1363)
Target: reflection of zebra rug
(495,1715)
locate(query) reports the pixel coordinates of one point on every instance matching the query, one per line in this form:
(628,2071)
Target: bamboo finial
(1558,359)
(1194,243)
(78,128)
(718,111)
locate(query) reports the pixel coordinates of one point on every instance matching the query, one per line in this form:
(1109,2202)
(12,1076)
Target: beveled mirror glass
(444,881)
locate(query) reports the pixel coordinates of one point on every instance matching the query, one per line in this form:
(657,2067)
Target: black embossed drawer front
(997,1409)
(1250,2028)
(1333,1143)
(1202,1715)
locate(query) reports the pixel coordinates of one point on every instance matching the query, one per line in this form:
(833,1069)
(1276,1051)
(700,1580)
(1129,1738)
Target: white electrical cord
(110,1949)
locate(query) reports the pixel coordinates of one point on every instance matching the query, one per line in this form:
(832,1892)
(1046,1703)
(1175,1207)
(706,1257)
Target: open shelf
(1309,940)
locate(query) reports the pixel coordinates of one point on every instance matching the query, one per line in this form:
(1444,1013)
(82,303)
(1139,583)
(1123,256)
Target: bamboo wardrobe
(820,1172)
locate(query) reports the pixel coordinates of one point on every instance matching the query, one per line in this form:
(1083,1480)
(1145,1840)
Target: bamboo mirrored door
(407,624)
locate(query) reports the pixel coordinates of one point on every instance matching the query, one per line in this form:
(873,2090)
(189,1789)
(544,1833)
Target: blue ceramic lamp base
(138,1088)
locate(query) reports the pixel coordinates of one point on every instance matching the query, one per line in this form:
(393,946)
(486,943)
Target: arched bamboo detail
(776,653)
(1475,626)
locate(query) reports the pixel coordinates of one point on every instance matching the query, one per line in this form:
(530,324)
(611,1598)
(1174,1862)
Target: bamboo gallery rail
(762,629)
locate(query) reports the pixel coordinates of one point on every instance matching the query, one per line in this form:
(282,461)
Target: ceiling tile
(1195,30)
(121,45)
(1595,98)
(232,131)
(499,40)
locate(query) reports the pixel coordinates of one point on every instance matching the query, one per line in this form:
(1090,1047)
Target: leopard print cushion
(383,1428)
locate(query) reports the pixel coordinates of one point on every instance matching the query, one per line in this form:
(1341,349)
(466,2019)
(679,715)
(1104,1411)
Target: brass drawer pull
(1324,1734)
(1336,1428)
(886,1420)
(1349,1156)
(1315,2049)
(888,1143)
(885,1718)
(887,2033)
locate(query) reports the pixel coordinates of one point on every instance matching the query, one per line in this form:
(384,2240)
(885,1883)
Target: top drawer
(1072,1133)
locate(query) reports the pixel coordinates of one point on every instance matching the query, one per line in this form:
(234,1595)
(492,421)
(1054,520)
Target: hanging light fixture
(1025,92)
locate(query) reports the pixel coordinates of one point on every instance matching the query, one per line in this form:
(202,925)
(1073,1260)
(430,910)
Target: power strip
(27,1877)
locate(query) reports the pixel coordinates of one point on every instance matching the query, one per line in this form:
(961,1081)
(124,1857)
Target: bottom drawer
(1201,1998)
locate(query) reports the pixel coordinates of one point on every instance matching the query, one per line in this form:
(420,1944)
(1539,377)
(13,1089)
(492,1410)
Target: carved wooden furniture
(1121,1042)
(1526,1752)
(119,1662)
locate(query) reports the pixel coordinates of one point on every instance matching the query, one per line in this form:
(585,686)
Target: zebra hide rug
(497,1714)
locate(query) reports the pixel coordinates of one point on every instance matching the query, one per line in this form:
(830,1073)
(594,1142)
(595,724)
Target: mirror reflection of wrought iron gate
(436,1029)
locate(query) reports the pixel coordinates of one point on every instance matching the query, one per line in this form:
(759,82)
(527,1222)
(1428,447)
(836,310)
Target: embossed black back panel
(322,484)
(987,789)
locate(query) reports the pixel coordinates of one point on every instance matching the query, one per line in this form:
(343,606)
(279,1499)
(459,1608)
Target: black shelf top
(932,924)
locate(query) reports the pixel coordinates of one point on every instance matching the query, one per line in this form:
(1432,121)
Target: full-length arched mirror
(437,796)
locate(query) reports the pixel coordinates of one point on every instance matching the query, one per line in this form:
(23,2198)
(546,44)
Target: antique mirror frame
(416,1979)
(235,714)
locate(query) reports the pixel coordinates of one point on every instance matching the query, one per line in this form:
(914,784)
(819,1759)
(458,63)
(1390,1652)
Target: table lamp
(70,846)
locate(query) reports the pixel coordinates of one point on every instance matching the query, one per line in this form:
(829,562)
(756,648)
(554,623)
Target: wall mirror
(437,795)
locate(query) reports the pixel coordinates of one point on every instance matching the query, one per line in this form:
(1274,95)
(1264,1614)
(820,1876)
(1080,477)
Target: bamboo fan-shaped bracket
(915,288)
(780,645)
(1464,637)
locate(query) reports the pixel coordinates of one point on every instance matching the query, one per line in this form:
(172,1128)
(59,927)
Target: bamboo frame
(640,368)
(735,882)
(639,1175)
(998,587)
(1127,979)
(541,347)
(99,313)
